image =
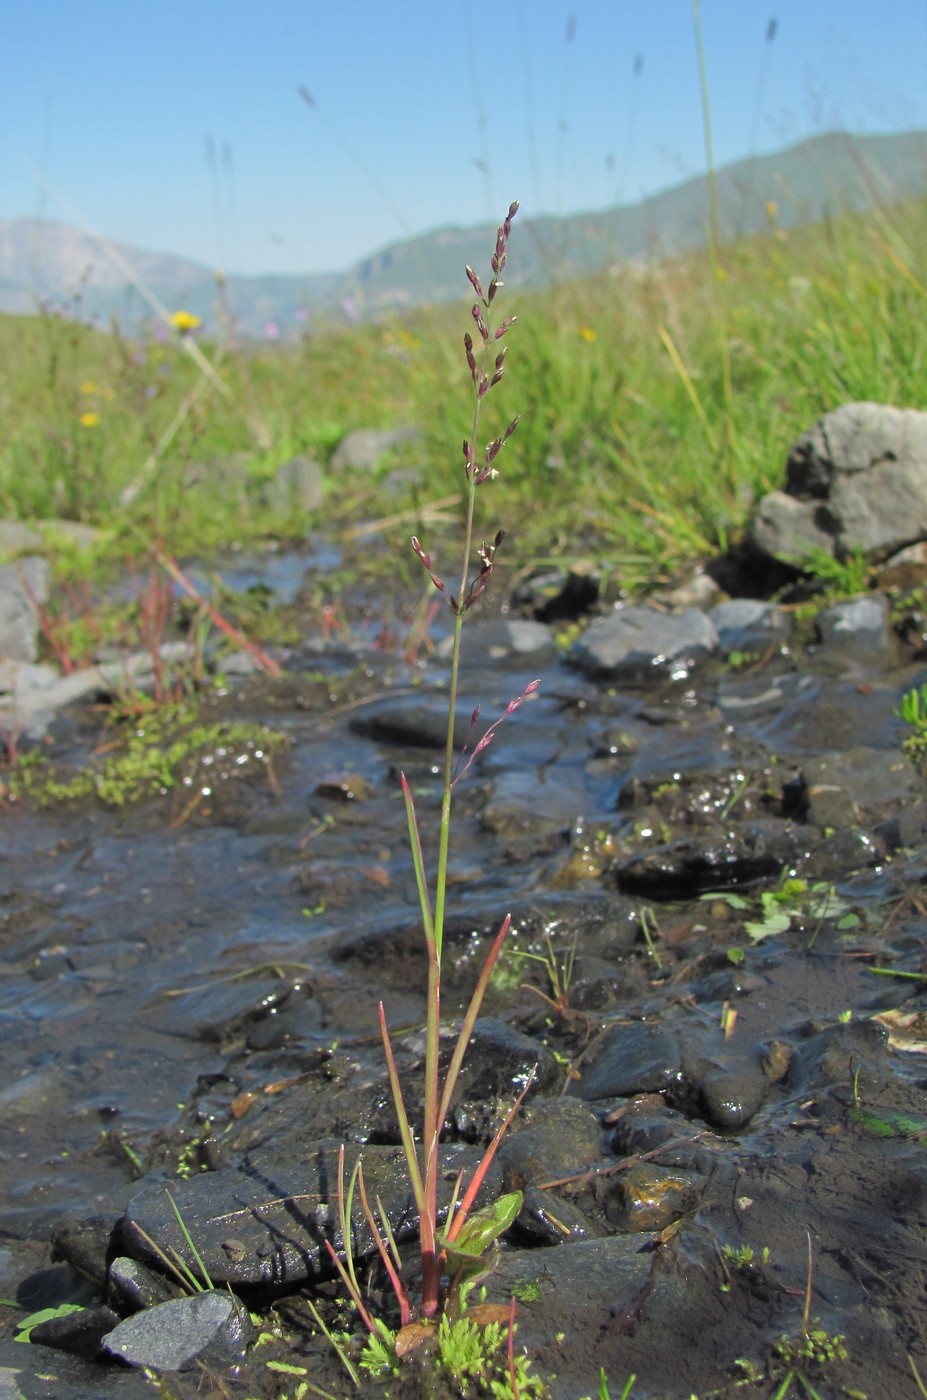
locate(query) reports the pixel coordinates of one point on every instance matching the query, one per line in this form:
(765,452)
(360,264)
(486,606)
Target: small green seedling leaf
(775,922)
(44,1315)
(481,1229)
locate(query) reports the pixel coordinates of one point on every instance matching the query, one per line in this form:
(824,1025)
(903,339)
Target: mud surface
(189,997)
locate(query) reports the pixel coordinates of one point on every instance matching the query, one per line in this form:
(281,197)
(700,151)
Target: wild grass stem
(486,367)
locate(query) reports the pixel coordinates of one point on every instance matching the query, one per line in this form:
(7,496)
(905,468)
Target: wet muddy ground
(724,1149)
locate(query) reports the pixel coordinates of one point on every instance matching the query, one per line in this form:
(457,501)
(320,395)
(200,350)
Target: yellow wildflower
(587,334)
(184,321)
(89,420)
(89,386)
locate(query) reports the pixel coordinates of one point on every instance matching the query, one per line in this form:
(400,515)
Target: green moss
(167,749)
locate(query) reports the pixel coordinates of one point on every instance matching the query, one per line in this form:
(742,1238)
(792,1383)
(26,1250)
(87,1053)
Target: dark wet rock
(553,595)
(499,1061)
(514,639)
(85,1243)
(750,627)
(78,1333)
(858,785)
(226,1010)
(641,643)
(831,1056)
(730,1096)
(211,1329)
(702,771)
(344,787)
(649,1197)
(725,1084)
(693,865)
(393,949)
(266,1222)
(28,1372)
(629,1059)
(522,809)
(647,1125)
(856,480)
(412,722)
(576,1303)
(727,980)
(364,448)
(133,1286)
(860,631)
(547,1218)
(816,715)
(555,1138)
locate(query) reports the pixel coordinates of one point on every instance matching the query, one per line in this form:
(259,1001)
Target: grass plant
(456,1252)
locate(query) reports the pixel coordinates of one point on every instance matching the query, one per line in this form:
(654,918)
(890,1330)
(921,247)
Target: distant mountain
(43,263)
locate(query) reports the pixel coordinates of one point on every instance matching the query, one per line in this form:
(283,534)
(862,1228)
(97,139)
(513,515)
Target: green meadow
(657,403)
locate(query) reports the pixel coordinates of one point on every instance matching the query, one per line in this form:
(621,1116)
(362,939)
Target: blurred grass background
(657,404)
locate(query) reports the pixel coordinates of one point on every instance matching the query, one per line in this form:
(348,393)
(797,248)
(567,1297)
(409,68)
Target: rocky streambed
(711,844)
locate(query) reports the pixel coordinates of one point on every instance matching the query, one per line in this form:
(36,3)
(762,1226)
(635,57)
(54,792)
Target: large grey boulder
(856,481)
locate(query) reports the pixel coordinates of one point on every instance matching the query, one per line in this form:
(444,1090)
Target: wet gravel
(730,1099)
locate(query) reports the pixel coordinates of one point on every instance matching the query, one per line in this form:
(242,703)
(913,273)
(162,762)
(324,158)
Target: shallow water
(157,962)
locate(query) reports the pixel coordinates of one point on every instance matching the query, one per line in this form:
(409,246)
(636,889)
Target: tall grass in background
(652,421)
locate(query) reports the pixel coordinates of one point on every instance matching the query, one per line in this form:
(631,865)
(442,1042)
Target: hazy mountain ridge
(44,263)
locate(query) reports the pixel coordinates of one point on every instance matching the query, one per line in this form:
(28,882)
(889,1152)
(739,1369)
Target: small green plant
(473,1359)
(559,970)
(805,1356)
(839,578)
(743,1256)
(26,1324)
(793,899)
(913,710)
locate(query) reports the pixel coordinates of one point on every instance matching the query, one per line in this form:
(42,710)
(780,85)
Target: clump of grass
(457,1251)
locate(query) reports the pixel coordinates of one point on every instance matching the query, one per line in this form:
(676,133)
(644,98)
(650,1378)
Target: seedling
(559,974)
(793,899)
(913,710)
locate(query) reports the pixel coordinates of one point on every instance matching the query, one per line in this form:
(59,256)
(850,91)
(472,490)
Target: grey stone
(860,629)
(16,536)
(744,624)
(209,1329)
(856,481)
(364,448)
(519,638)
(23,589)
(635,1059)
(642,643)
(298,486)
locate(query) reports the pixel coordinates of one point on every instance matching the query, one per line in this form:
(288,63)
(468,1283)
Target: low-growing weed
(794,900)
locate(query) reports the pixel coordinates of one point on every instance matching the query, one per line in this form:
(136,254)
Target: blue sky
(177,125)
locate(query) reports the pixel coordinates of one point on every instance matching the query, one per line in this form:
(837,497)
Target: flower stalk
(458,1248)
